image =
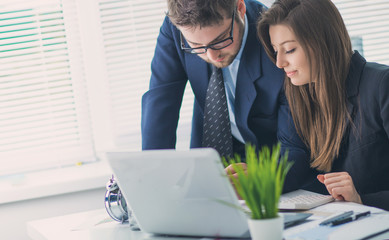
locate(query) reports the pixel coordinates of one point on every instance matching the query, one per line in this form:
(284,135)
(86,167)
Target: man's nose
(213,54)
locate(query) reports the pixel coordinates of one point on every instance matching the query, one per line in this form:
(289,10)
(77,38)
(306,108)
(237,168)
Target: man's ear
(241,8)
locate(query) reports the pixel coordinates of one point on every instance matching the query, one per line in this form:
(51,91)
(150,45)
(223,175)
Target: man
(199,34)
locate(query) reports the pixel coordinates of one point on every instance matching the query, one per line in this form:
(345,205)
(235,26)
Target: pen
(337,218)
(350,219)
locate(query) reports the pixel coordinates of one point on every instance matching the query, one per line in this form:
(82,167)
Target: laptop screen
(179,192)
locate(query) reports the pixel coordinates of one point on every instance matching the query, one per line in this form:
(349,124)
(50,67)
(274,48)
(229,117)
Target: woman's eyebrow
(284,42)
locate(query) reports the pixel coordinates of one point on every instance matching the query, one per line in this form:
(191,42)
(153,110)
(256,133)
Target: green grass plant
(261,183)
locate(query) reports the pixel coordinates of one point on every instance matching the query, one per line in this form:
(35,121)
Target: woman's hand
(340,185)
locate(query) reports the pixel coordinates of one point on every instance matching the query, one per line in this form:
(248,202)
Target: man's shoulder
(167,24)
(254,8)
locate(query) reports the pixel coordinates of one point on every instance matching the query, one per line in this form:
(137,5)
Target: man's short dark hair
(199,13)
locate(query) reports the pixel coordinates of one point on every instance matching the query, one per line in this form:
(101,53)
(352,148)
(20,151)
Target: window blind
(368,20)
(129,32)
(43,108)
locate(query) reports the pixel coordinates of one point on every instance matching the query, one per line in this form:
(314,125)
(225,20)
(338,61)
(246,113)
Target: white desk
(91,225)
(96,225)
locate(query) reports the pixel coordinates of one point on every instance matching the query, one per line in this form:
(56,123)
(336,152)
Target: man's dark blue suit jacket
(258,90)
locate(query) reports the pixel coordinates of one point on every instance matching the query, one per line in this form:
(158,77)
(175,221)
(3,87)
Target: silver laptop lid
(179,192)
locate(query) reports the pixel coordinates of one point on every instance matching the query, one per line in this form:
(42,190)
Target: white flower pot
(266,229)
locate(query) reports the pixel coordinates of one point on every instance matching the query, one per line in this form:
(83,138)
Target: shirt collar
(246,30)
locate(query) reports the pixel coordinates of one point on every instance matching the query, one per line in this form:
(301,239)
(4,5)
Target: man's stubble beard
(230,58)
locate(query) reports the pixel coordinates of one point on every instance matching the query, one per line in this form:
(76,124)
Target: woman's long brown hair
(319,108)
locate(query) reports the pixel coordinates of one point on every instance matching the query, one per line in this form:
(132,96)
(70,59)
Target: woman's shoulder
(374,74)
(368,80)
(374,83)
(367,71)
(377,69)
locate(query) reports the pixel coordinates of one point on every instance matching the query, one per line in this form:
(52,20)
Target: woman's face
(289,54)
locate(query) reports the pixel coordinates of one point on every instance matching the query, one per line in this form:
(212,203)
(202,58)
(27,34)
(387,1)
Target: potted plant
(260,184)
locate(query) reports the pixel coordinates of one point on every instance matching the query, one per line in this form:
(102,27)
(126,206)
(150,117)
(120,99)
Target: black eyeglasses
(215,46)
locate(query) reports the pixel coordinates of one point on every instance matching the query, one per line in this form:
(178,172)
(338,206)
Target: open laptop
(180,192)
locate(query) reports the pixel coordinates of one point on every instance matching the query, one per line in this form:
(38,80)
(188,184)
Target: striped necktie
(217,128)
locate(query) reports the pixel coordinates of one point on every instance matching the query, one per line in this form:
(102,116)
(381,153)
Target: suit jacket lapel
(249,72)
(199,77)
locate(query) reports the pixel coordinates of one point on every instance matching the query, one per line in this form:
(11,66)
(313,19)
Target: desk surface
(96,225)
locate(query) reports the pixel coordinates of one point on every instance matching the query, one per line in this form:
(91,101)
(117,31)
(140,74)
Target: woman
(339,103)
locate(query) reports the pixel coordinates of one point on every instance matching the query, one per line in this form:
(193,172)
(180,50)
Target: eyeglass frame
(211,46)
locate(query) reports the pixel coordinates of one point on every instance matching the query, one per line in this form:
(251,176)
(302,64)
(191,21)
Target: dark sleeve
(301,175)
(381,199)
(162,102)
(378,199)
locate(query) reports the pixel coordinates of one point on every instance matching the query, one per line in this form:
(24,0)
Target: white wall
(14,216)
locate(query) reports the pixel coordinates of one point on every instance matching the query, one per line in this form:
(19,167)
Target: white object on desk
(183,193)
(303,200)
(361,228)
(312,229)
